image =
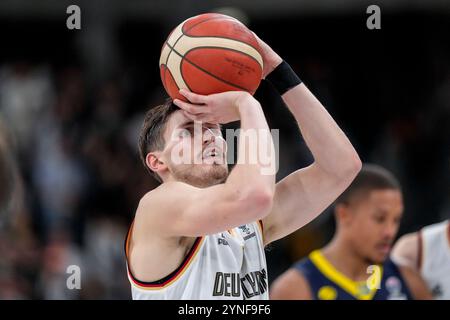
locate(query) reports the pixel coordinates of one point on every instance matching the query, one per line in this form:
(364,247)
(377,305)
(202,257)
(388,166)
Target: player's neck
(195,181)
(341,256)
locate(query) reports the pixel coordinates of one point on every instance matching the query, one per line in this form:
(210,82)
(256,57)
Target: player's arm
(179,209)
(291,285)
(416,284)
(406,251)
(305,193)
(405,254)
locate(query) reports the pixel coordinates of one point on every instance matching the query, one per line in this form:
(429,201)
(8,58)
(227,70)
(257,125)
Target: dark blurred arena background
(72,102)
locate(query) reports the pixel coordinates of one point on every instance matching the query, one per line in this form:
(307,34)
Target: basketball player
(428,252)
(201,233)
(355,264)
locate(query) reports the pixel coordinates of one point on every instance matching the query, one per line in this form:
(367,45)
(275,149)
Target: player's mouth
(211,153)
(383,248)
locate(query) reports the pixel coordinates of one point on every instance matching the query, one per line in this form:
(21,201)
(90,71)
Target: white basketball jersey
(226,265)
(436,259)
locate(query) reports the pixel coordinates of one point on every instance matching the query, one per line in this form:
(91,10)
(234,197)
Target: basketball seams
(180,26)
(164,76)
(184,33)
(166,43)
(248,50)
(226,38)
(164,64)
(173,69)
(224,48)
(223,37)
(216,77)
(220,43)
(181,71)
(208,73)
(198,23)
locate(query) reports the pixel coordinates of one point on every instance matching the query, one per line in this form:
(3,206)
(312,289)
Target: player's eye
(213,130)
(185,133)
(379,219)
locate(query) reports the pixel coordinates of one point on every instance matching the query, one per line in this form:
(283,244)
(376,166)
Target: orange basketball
(210,53)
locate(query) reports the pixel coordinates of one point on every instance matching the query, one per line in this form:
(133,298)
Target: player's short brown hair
(371,177)
(151,137)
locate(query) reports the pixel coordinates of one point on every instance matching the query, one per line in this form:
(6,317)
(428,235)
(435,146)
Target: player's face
(195,152)
(375,222)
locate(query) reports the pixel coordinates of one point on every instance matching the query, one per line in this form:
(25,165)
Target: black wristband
(283,78)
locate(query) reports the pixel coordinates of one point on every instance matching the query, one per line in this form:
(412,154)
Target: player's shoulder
(162,203)
(299,269)
(164,193)
(392,266)
(154,201)
(406,249)
(154,208)
(407,240)
(292,284)
(309,265)
(303,265)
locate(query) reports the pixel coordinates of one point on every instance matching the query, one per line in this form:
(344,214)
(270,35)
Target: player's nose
(208,136)
(390,231)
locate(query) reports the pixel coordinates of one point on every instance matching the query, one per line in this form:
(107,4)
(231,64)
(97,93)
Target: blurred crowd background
(72,102)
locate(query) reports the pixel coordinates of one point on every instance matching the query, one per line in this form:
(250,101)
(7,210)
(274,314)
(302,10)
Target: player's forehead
(178,121)
(385,200)
(381,196)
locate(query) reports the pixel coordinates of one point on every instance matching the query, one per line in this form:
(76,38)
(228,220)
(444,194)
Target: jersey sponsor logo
(245,229)
(222,240)
(394,288)
(231,284)
(436,291)
(248,234)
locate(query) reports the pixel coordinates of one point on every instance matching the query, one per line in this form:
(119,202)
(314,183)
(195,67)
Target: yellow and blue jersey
(326,283)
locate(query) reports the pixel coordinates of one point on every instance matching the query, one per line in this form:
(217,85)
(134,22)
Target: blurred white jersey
(435,265)
(226,265)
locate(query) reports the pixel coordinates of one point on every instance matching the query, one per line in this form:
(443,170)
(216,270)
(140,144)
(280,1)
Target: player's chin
(217,169)
(379,256)
(214,162)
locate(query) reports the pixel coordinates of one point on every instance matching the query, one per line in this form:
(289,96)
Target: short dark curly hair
(151,137)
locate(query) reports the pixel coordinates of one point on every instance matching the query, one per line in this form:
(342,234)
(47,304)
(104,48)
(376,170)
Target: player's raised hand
(214,108)
(270,58)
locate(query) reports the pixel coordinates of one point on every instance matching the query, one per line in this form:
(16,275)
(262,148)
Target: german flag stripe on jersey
(172,277)
(261,228)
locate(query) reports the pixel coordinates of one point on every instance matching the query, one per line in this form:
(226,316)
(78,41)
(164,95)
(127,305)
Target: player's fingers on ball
(193,97)
(189,107)
(194,117)
(188,115)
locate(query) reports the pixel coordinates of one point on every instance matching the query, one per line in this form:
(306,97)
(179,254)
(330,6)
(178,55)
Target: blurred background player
(367,216)
(428,252)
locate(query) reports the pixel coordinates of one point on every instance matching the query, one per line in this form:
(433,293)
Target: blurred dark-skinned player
(355,265)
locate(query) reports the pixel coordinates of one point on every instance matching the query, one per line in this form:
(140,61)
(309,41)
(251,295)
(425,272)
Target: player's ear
(342,213)
(154,161)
